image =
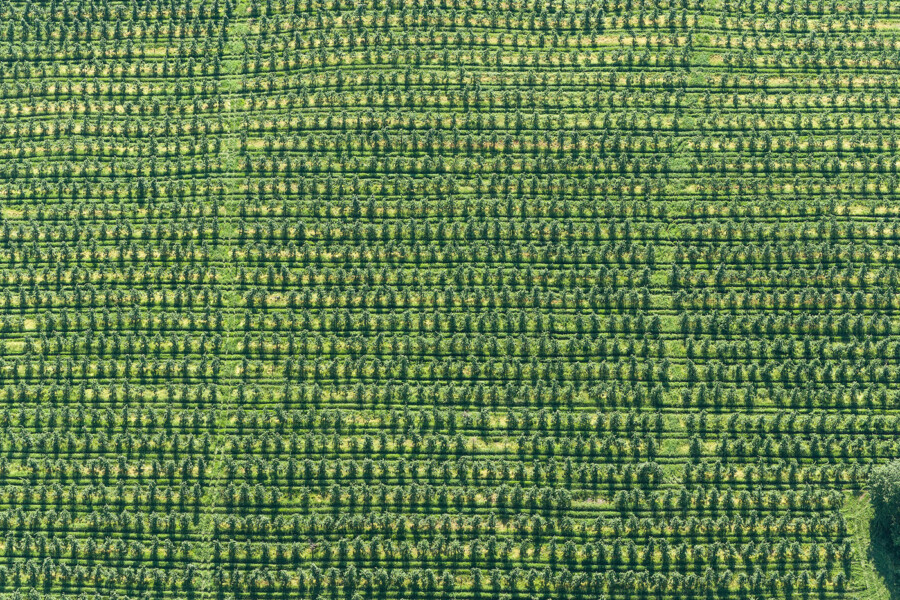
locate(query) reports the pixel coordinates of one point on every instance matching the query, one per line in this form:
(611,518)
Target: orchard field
(450,299)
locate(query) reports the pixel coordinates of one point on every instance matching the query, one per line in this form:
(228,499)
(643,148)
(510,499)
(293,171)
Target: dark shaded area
(885,556)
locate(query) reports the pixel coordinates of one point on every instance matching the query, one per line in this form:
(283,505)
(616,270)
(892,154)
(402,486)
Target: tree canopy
(884,487)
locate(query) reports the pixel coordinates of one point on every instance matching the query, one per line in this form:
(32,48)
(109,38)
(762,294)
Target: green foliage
(884,491)
(488,299)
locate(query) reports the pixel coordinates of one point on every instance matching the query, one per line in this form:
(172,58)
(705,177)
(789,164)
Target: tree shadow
(885,557)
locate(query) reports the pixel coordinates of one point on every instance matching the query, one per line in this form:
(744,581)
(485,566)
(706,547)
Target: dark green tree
(884,488)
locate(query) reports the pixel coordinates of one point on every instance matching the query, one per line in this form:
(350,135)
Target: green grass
(875,569)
